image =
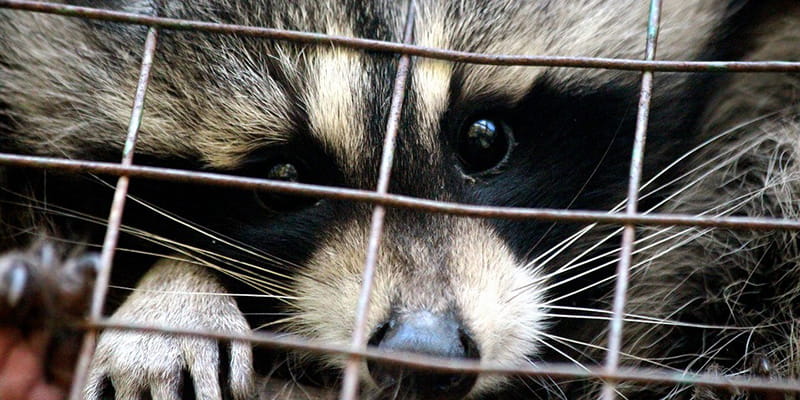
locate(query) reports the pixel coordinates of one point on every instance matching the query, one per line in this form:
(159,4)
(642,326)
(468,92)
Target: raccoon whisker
(572,265)
(254,280)
(666,321)
(192,252)
(277,322)
(613,276)
(168,256)
(232,262)
(560,352)
(156,239)
(268,313)
(230,266)
(186,250)
(694,150)
(580,190)
(653,179)
(708,172)
(639,249)
(555,250)
(52,209)
(549,384)
(234,244)
(65,212)
(226,294)
(250,250)
(562,246)
(570,342)
(558,248)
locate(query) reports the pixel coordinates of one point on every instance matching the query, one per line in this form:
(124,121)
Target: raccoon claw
(18,289)
(14,283)
(131,364)
(761,365)
(39,286)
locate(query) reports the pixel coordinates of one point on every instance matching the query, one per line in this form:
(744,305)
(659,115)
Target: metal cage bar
(115,218)
(359,339)
(378,45)
(396,200)
(629,230)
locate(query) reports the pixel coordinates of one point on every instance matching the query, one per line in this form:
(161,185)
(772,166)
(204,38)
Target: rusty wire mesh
(357,350)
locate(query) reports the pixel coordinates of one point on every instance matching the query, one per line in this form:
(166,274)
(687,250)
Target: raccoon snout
(426,333)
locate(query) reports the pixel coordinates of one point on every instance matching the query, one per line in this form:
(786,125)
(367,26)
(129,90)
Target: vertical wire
(629,230)
(114,219)
(358,339)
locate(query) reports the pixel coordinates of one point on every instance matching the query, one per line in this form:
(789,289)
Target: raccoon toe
(159,367)
(74,283)
(41,285)
(133,365)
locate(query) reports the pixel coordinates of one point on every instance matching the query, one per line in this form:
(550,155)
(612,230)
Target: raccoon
(509,293)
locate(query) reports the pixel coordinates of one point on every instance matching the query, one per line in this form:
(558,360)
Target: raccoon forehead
(225,96)
(346,93)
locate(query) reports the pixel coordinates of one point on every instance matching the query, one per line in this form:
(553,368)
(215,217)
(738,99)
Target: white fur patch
(335,96)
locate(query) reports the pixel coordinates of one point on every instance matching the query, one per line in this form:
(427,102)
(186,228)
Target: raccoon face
(506,136)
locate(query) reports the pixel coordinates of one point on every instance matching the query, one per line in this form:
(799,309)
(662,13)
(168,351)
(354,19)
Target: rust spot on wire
(358,340)
(629,230)
(378,45)
(114,218)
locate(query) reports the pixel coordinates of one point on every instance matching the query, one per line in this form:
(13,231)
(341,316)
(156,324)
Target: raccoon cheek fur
(476,295)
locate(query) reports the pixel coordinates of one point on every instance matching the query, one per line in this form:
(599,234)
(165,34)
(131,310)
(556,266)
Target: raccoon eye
(286,172)
(484,145)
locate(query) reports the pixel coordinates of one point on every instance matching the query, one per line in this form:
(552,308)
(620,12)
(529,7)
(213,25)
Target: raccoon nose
(426,333)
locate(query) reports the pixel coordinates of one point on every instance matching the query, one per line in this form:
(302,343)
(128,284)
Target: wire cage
(611,373)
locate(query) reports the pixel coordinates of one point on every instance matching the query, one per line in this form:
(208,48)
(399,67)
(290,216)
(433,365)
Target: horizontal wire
(393,47)
(396,200)
(416,360)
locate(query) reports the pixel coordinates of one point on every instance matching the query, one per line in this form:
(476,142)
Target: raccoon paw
(130,364)
(40,286)
(41,291)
